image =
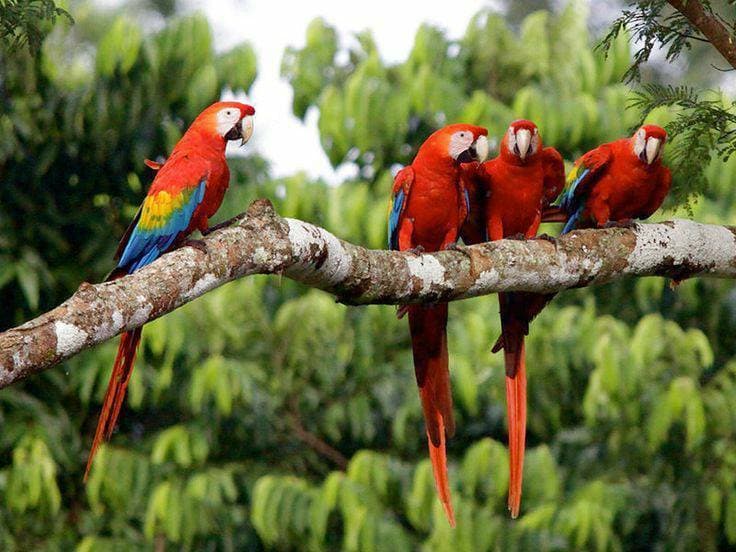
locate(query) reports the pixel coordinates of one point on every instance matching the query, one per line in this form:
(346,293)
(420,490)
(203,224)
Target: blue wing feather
(572,221)
(393,220)
(570,199)
(580,182)
(146,245)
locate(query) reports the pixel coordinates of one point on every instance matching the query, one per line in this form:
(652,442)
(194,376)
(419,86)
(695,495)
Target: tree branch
(317,444)
(708,24)
(264,243)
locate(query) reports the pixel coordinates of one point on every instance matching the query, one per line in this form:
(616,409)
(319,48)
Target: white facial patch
(511,140)
(227,119)
(639,142)
(459,142)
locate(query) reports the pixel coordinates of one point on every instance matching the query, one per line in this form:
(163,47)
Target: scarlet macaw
(520,182)
(187,190)
(618,182)
(429,207)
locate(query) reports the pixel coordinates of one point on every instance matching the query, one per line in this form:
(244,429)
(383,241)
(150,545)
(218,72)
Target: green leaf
(730,517)
(29,283)
(119,48)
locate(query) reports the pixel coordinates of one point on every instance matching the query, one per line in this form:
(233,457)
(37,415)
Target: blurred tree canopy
(265,416)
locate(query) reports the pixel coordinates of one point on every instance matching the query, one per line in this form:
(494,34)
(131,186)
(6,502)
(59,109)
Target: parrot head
(521,141)
(459,143)
(226,120)
(648,143)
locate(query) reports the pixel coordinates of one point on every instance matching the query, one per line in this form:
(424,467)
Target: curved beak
(523,142)
(246,129)
(651,152)
(242,130)
(478,151)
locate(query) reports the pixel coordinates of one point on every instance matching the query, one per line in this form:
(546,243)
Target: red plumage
(620,186)
(613,183)
(474,227)
(429,207)
(520,182)
(117,386)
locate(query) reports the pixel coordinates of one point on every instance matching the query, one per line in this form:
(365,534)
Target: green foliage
(307,69)
(25,22)
(32,480)
(267,416)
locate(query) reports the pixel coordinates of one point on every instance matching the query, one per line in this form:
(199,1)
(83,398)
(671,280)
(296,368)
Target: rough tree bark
(261,242)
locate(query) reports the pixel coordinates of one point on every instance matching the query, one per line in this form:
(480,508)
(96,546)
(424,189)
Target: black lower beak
(235,132)
(468,155)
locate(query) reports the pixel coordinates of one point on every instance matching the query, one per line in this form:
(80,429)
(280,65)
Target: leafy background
(265,415)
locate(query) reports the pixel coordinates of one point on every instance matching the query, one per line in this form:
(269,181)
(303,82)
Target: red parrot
(618,182)
(429,207)
(187,190)
(520,182)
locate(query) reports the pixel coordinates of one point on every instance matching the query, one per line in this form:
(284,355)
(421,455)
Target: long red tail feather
(516,409)
(514,329)
(428,327)
(121,372)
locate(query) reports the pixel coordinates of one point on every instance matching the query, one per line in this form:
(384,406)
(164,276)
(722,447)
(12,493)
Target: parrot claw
(519,236)
(196,244)
(401,311)
(220,226)
(418,250)
(625,223)
(547,237)
(454,246)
